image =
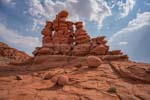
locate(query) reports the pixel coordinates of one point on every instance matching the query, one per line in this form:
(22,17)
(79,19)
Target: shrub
(112,90)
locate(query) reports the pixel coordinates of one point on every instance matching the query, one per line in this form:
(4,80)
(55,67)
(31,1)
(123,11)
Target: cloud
(125,7)
(9,2)
(141,20)
(123,43)
(136,34)
(93,10)
(12,37)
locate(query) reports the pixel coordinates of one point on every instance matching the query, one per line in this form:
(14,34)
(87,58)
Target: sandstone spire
(63,37)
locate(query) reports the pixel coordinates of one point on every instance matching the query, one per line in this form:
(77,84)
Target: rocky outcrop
(130,70)
(63,37)
(14,54)
(72,83)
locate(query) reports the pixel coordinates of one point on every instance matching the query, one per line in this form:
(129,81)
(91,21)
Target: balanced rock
(93,61)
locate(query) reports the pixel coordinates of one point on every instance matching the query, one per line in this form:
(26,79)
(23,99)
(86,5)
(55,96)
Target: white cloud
(123,43)
(93,10)
(9,2)
(20,41)
(136,34)
(141,20)
(125,7)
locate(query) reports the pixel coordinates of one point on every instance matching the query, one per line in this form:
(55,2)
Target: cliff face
(12,53)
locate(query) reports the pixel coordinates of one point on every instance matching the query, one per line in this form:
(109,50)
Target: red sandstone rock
(48,45)
(116,57)
(81,50)
(93,61)
(65,49)
(43,51)
(48,75)
(48,25)
(79,25)
(99,50)
(54,79)
(130,70)
(63,13)
(63,25)
(47,39)
(115,52)
(56,48)
(12,53)
(46,32)
(100,39)
(63,80)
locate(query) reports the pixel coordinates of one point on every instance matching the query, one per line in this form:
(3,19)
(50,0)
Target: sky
(125,23)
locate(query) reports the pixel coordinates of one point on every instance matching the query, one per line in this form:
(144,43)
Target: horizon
(125,23)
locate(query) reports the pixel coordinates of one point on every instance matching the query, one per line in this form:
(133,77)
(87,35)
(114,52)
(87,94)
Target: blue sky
(125,23)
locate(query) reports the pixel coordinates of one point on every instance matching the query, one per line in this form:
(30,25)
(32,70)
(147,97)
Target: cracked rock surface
(129,80)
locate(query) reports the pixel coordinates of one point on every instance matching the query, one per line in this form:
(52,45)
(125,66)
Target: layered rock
(63,37)
(11,53)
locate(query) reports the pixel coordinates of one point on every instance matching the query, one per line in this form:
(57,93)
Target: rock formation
(13,54)
(63,37)
(71,65)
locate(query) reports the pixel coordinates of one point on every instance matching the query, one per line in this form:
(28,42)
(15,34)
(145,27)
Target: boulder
(54,79)
(93,61)
(63,80)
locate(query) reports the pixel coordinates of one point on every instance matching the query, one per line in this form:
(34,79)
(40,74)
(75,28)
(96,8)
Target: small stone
(93,61)
(63,80)
(18,77)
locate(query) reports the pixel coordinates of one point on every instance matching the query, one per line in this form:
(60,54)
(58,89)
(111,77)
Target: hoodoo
(63,37)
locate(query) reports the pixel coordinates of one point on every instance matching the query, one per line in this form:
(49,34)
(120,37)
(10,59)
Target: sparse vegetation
(112,90)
